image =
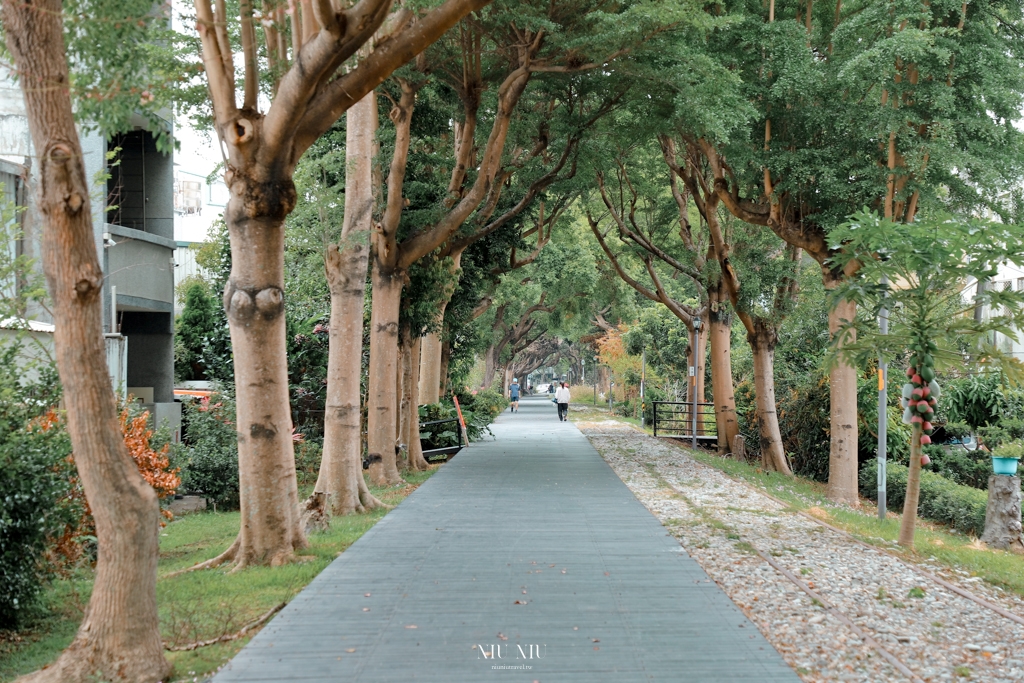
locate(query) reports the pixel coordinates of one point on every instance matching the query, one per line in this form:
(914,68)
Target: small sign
(693,373)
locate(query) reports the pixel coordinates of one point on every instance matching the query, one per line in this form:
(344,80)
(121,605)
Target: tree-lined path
(528,540)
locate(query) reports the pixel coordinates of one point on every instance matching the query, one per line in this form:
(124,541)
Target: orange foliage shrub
(153,465)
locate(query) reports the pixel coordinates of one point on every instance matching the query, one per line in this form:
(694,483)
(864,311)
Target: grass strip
(195,606)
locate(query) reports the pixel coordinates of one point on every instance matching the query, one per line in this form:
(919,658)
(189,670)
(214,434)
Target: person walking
(562,399)
(513,395)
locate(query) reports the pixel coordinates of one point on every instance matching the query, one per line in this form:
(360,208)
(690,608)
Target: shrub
(209,460)
(35,475)
(308,455)
(970,468)
(941,500)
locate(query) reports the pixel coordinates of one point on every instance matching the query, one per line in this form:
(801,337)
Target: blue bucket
(1004,465)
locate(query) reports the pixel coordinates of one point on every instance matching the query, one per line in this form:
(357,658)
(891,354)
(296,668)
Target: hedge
(941,500)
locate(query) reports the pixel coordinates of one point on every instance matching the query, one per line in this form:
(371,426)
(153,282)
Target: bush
(35,476)
(941,500)
(209,459)
(970,468)
(308,455)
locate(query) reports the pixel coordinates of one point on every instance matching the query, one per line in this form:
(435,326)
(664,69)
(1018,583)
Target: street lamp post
(643,377)
(693,374)
(883,413)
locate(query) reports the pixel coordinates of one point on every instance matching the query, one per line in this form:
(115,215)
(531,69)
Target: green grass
(197,605)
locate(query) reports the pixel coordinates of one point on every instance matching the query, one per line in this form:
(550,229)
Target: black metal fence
(675,419)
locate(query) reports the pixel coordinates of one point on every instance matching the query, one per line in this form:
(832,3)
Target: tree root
(225,638)
(367,500)
(86,661)
(228,555)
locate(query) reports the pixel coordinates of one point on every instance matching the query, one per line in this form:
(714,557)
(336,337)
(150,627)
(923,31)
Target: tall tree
(307,91)
(341,468)
(119,638)
(827,88)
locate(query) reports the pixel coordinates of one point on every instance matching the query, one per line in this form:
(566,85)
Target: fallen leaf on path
(350,650)
(412,626)
(366,609)
(519,602)
(502,636)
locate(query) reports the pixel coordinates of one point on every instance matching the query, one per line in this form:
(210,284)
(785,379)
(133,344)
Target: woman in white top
(562,399)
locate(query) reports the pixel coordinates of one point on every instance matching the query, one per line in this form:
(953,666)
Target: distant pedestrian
(513,395)
(562,398)
(551,388)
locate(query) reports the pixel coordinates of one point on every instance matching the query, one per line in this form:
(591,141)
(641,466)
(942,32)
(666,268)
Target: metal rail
(675,419)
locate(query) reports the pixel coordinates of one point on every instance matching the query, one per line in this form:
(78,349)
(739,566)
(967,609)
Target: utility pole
(883,411)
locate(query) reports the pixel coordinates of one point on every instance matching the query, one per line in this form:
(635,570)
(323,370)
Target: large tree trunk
(446,357)
(490,366)
(254,300)
(410,407)
(341,470)
(430,363)
(842,462)
(720,324)
(119,638)
(382,419)
(772,453)
(909,520)
(430,366)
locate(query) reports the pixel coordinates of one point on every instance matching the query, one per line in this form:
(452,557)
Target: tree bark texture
(909,520)
(341,469)
(383,382)
(410,406)
(430,366)
(1002,514)
(842,461)
(446,357)
(720,324)
(490,366)
(430,350)
(119,637)
(772,452)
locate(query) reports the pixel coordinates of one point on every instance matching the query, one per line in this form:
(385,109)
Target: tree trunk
(719,325)
(383,381)
(446,357)
(842,462)
(1002,514)
(909,519)
(772,453)
(430,366)
(431,378)
(341,470)
(490,367)
(411,413)
(119,638)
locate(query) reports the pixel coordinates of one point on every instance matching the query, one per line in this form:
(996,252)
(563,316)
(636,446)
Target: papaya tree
(926,274)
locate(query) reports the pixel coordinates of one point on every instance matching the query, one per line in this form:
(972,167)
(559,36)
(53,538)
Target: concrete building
(133,222)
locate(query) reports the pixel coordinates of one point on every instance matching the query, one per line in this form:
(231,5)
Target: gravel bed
(938,634)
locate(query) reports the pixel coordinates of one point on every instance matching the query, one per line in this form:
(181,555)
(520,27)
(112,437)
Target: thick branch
(335,98)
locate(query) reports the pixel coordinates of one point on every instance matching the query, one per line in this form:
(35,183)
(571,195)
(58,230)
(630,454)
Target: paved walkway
(528,547)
